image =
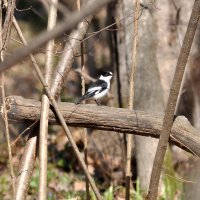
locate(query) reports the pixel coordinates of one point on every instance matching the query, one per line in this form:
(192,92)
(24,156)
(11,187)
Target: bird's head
(106,76)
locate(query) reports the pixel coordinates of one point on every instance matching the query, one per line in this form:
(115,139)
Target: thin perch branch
(107,118)
(171,104)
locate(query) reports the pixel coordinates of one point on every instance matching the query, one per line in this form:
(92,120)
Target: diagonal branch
(43,38)
(31,150)
(59,115)
(62,121)
(68,133)
(71,49)
(29,155)
(171,104)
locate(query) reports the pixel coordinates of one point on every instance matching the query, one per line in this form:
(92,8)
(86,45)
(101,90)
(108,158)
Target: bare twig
(179,179)
(107,28)
(86,76)
(60,117)
(45,106)
(8,136)
(43,38)
(171,104)
(131,97)
(20,135)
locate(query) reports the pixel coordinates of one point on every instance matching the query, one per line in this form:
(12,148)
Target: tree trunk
(148,91)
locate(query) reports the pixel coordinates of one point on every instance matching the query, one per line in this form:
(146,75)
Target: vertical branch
(84,130)
(7,134)
(45,106)
(171,104)
(131,97)
(4,104)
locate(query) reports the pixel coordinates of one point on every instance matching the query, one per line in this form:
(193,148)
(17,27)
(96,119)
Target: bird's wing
(97,86)
(89,94)
(94,89)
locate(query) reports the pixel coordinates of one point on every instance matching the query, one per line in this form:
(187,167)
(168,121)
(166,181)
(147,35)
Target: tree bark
(123,77)
(108,118)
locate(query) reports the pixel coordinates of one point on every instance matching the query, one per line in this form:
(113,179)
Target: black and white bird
(98,89)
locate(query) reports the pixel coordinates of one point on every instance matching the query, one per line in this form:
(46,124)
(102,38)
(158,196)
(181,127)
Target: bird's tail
(79,100)
(87,95)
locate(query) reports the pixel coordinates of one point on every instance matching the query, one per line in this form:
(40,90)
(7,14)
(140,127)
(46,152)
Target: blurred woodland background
(107,44)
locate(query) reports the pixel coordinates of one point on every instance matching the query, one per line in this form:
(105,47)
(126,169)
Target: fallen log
(120,120)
